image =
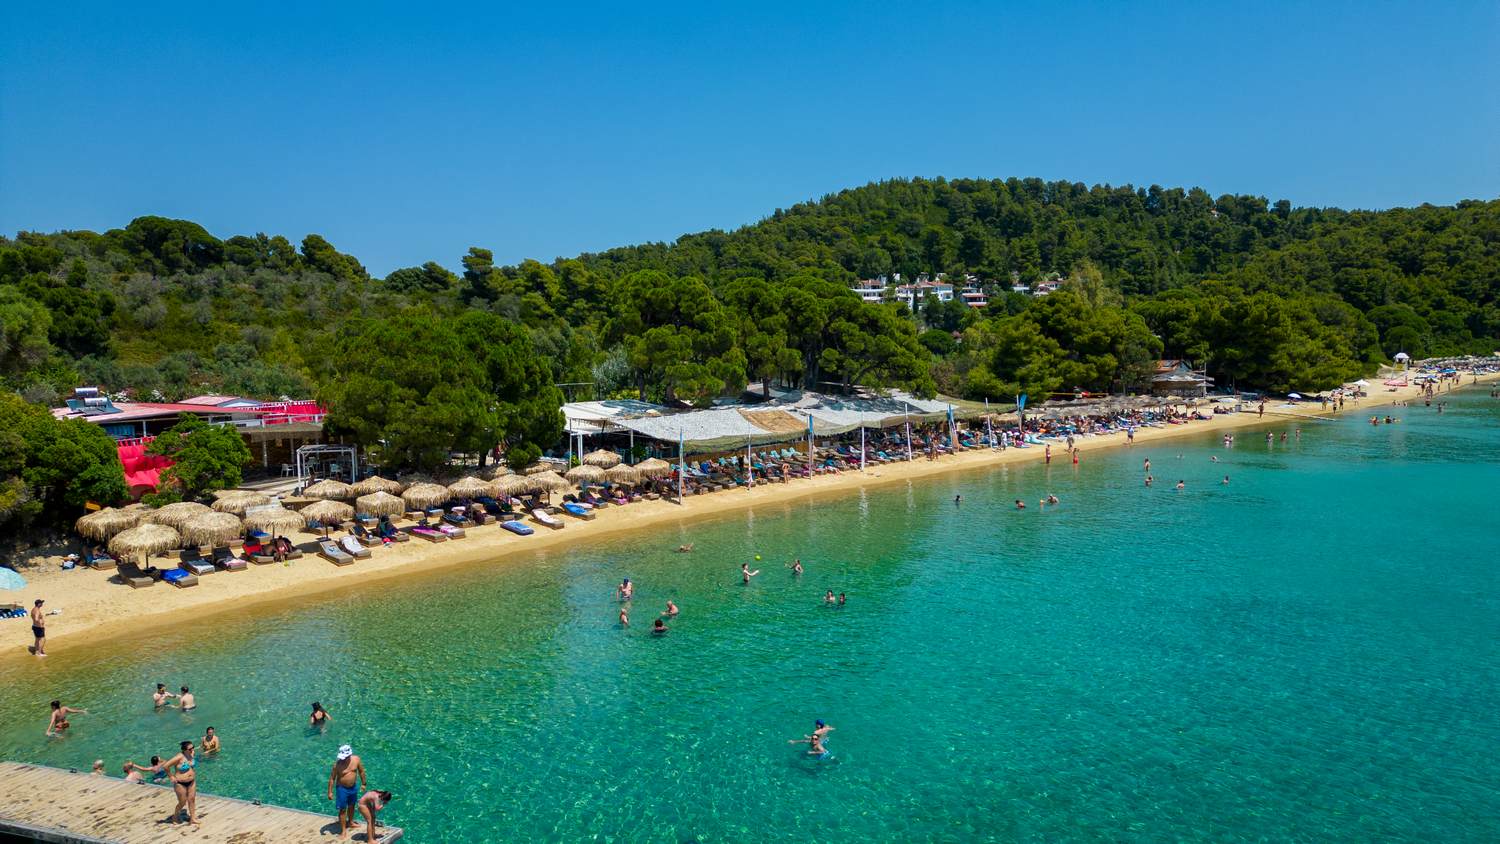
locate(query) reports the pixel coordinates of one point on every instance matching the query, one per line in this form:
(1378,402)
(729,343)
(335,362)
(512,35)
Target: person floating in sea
(1148,480)
(685,549)
(98,770)
(659,628)
(58,722)
(1020,505)
(828,599)
(132,772)
(319,718)
(1148,465)
(348,772)
(624,616)
(1182,485)
(797,566)
(746,573)
(843,599)
(182,771)
(626,590)
(185,700)
(957,500)
(161,696)
(210,741)
(1051,499)
(1283,436)
(38,628)
(671,610)
(815,747)
(1226,480)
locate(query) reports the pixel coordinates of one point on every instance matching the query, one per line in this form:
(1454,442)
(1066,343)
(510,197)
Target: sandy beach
(94,609)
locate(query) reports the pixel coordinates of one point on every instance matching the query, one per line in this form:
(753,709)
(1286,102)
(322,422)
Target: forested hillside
(1264,294)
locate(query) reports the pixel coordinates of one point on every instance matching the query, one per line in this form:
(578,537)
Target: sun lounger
(578,511)
(333,554)
(427,533)
(545,519)
(181,578)
(354,548)
(197,565)
(517,528)
(452,532)
(132,575)
(103,563)
(232,562)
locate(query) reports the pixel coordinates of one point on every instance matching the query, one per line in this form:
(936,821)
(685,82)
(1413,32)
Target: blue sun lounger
(517,528)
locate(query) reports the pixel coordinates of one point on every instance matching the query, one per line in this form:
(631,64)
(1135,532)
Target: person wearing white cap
(348,777)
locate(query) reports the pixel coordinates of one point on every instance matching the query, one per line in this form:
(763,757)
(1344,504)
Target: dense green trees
(49,468)
(1263,294)
(206,457)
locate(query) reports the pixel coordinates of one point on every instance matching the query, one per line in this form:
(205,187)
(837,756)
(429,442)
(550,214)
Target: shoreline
(94,610)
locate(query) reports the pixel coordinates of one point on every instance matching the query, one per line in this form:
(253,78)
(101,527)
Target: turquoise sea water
(1309,653)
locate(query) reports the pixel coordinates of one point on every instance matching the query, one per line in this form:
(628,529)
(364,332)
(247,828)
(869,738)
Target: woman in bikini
(182,770)
(319,718)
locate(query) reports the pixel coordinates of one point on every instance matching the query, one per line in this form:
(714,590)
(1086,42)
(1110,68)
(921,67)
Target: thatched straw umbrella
(327,513)
(426,495)
(329,490)
(379,504)
(375,483)
(495,470)
(550,482)
(239,501)
(469,487)
(654,468)
(175,515)
(586,474)
(211,528)
(536,469)
(622,474)
(603,458)
(144,540)
(102,524)
(274,520)
(511,485)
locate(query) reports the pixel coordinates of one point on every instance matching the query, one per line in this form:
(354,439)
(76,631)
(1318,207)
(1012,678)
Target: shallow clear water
(1308,653)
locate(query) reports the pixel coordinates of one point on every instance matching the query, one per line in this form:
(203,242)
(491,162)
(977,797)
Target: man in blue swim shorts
(348,772)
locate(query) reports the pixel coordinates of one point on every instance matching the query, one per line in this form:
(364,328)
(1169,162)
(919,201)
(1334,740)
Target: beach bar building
(1179,378)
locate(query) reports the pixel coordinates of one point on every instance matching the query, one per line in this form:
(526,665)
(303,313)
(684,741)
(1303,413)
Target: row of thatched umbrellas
(137,530)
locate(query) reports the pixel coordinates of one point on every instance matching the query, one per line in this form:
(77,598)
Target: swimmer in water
(957,500)
(815,747)
(746,573)
(659,628)
(1148,464)
(626,590)
(1214,458)
(59,720)
(161,696)
(671,609)
(843,599)
(828,598)
(1181,485)
(797,566)
(185,700)
(1148,480)
(685,549)
(1226,480)
(1020,505)
(1051,499)
(624,617)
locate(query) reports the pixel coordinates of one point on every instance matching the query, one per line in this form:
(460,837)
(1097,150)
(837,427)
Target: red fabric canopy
(142,470)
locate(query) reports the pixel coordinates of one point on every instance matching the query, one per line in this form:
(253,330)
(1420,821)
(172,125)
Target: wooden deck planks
(66,807)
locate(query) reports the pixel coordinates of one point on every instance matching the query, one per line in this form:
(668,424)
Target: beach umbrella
(375,483)
(550,482)
(11,579)
(426,495)
(536,469)
(329,490)
(603,458)
(326,512)
(470,487)
(379,504)
(274,520)
(102,524)
(586,474)
(241,500)
(511,485)
(211,528)
(175,515)
(622,474)
(496,470)
(144,540)
(654,468)
(1294,395)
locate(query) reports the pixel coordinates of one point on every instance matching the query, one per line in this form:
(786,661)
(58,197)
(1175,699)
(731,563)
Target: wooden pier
(67,807)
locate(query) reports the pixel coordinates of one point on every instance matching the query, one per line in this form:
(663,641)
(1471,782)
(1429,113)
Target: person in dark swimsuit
(320,717)
(182,770)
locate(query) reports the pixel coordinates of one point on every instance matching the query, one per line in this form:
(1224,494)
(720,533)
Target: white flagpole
(681,467)
(809,445)
(861,445)
(906,411)
(952,430)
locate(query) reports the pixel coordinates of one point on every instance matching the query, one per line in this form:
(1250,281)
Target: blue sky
(409,133)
